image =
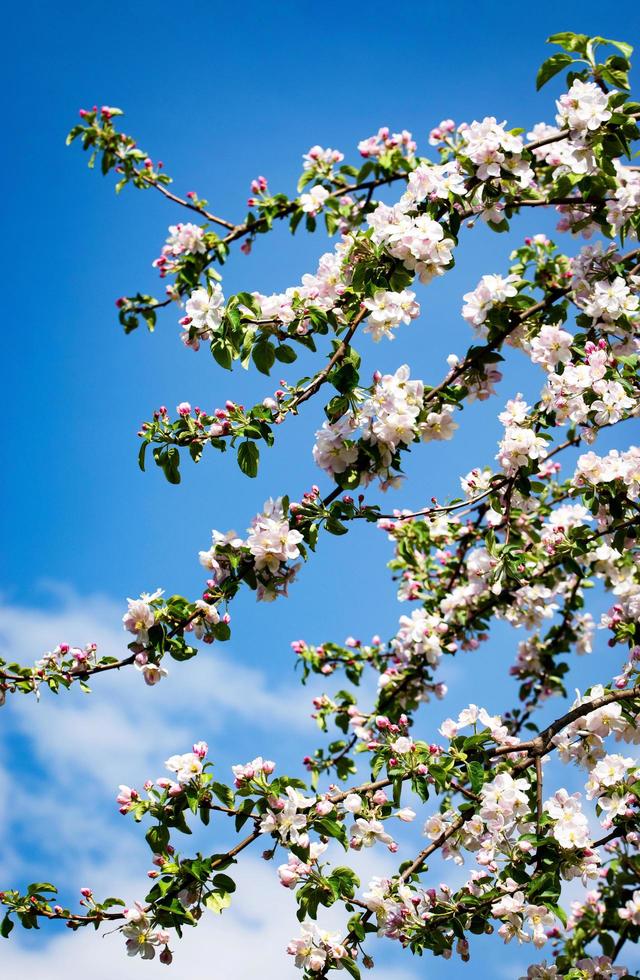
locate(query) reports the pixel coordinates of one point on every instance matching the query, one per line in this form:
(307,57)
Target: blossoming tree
(521,544)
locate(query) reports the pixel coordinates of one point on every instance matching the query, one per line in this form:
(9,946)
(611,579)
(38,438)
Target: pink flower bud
(323,807)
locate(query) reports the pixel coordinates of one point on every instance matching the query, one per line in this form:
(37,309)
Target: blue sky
(221,93)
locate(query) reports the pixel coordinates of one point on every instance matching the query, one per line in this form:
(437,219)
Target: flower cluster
(270,545)
(520,443)
(584,108)
(389,419)
(388,310)
(184,239)
(622,468)
(495,151)
(141,938)
(385,142)
(490,292)
(420,242)
(316,948)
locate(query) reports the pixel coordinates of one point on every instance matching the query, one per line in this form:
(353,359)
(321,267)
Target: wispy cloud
(69,754)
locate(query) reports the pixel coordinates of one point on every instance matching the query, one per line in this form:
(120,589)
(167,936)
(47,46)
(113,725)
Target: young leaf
(551,67)
(217,901)
(248,457)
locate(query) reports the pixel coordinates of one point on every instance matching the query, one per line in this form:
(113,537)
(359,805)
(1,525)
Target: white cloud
(107,736)
(63,815)
(246,942)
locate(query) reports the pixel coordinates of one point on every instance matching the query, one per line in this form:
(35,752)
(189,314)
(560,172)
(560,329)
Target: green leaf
(334,526)
(141,454)
(570,41)
(169,461)
(217,901)
(222,631)
(264,356)
(222,353)
(627,49)
(157,838)
(248,457)
(246,299)
(559,911)
(475,771)
(6,926)
(224,794)
(351,967)
(41,886)
(551,67)
(224,883)
(285,354)
(345,378)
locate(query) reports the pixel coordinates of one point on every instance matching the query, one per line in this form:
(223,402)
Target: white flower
(204,311)
(570,828)
(402,745)
(540,971)
(334,450)
(388,310)
(493,149)
(608,771)
(448,728)
(551,346)
(365,833)
(353,803)
(139,618)
(315,947)
(490,291)
(185,238)
(631,911)
(186,767)
(418,242)
(319,155)
(152,673)
(504,796)
(313,201)
(583,108)
(439,425)
(610,300)
(406,814)
(271,540)
(139,938)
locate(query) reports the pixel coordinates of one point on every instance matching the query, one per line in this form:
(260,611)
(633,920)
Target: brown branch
(151,182)
(616,832)
(80,672)
(540,745)
(338,356)
(419,860)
